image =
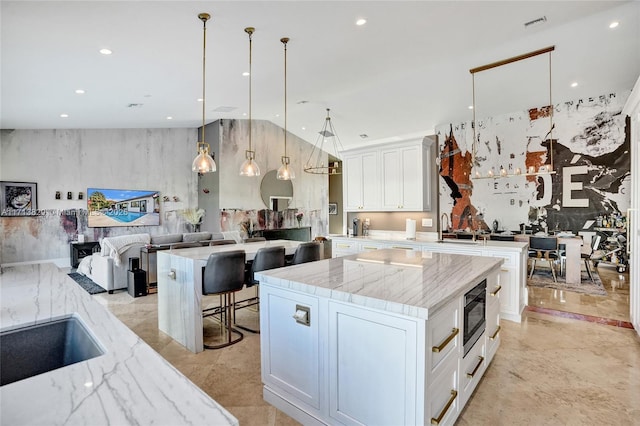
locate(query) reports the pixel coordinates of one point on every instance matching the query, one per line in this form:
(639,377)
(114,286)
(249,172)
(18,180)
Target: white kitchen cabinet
(375,354)
(344,247)
(361,181)
(291,349)
(406,171)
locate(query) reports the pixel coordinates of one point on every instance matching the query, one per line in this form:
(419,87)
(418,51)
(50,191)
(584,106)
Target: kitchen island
(513,273)
(128,384)
(377,337)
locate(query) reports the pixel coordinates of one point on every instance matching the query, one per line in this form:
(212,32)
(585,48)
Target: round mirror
(276,194)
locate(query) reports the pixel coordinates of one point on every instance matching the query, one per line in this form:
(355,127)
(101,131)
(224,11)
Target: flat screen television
(122,207)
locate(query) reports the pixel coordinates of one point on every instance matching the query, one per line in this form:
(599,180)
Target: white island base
(376,337)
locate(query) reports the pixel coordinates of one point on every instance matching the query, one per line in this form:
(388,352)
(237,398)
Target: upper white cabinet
(394,177)
(362,191)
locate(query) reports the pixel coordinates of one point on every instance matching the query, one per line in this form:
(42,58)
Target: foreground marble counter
(399,281)
(130,384)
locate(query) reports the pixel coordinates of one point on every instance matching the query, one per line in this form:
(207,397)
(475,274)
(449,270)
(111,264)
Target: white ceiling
(400,75)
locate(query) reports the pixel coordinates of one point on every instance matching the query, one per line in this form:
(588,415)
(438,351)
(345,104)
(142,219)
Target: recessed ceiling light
(614,24)
(106,51)
(277,115)
(64,115)
(361,21)
(574,84)
(304,128)
(470,107)
(244,114)
(245,74)
(199,99)
(80,91)
(169,118)
(364,135)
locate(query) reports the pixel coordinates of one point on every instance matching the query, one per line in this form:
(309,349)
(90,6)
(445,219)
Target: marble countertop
(400,281)
(130,384)
(202,253)
(391,238)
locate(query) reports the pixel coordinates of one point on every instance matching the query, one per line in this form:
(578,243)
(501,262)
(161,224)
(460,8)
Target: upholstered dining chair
(221,242)
(183,245)
(224,275)
(595,243)
(306,252)
(543,248)
(266,258)
(254,239)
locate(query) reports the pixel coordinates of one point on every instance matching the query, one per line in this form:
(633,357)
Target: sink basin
(37,349)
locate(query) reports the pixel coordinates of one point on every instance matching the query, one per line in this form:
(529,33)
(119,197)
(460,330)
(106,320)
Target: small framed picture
(333,208)
(80,195)
(58,195)
(18,199)
(69,195)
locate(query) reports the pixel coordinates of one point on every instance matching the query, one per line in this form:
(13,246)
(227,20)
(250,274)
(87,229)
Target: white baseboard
(288,408)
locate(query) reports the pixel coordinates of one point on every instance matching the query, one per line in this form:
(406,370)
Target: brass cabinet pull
(495,334)
(370,248)
(437,421)
(496,291)
(475,370)
(454,333)
(344,245)
(402,248)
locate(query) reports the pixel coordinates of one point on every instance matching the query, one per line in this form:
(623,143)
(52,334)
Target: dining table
(573,249)
(180,274)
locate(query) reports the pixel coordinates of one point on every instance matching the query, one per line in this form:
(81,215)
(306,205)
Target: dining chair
(184,245)
(266,258)
(221,242)
(224,275)
(306,252)
(543,248)
(587,257)
(254,239)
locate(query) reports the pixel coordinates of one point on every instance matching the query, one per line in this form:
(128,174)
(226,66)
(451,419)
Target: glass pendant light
(249,167)
(285,172)
(203,163)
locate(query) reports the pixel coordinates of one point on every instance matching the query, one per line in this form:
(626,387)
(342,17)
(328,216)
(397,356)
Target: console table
(79,250)
(296,234)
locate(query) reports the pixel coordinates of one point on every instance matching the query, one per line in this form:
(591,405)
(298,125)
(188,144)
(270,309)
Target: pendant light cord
(250,32)
(284,41)
(204,18)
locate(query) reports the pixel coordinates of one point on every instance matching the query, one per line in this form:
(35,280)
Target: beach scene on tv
(122,207)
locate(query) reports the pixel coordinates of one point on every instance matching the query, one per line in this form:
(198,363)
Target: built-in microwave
(475,301)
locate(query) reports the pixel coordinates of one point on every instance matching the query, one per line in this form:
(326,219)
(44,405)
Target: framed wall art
(333,208)
(18,198)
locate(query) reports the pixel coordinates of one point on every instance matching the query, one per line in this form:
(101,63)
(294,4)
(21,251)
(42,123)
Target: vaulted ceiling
(401,74)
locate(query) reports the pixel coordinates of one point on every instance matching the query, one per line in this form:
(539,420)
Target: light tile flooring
(548,370)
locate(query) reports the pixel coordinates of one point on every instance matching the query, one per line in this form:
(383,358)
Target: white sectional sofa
(108,268)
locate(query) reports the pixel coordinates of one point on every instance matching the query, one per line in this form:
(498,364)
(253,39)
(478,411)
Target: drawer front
(444,336)
(370,246)
(402,246)
(509,258)
(472,367)
(343,248)
(443,397)
(492,331)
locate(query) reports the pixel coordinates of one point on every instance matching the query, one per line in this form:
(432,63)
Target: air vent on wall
(536,21)
(134,105)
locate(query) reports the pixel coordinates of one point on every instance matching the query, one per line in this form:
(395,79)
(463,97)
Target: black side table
(80,250)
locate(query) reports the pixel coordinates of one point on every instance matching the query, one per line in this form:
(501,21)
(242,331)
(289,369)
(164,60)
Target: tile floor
(549,370)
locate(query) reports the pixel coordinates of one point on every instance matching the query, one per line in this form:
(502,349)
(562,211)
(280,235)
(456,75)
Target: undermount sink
(28,351)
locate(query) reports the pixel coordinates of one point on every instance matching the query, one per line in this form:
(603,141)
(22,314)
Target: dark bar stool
(224,275)
(543,248)
(306,252)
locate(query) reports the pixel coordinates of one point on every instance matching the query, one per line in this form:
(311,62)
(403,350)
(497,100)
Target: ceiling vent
(224,109)
(134,105)
(536,21)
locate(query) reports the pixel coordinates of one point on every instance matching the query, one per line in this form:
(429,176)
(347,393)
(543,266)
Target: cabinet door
(370,181)
(374,354)
(353,182)
(411,187)
(391,180)
(290,350)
